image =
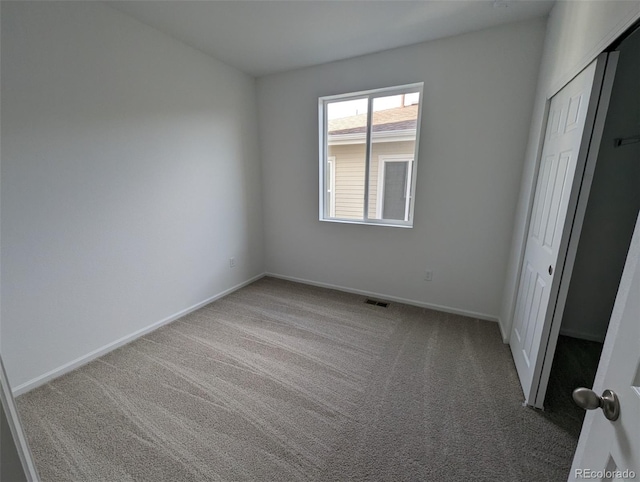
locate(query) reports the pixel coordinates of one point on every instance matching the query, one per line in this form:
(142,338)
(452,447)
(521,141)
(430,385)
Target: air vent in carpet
(384,304)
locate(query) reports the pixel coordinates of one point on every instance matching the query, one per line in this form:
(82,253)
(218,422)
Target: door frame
(578,195)
(15,427)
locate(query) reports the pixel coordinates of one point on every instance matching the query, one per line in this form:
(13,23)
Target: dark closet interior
(612,210)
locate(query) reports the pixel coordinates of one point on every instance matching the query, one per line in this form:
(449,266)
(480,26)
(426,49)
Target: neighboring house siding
(349,181)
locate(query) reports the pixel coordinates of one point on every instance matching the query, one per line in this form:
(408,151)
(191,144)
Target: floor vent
(384,304)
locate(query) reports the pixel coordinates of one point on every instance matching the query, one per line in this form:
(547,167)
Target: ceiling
(265,36)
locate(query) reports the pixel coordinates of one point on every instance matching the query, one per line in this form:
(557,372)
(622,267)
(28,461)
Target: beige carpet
(286,382)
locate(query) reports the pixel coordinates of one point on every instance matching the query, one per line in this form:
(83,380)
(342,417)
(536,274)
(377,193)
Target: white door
(561,168)
(615,446)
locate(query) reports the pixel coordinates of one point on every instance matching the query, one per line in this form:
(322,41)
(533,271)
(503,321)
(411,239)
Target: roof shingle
(399,118)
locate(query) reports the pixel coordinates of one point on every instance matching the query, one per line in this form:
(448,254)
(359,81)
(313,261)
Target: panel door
(610,450)
(543,259)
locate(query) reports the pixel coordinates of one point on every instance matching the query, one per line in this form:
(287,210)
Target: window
(368,156)
(394,186)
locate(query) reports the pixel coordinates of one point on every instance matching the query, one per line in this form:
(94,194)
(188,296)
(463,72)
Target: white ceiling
(263,37)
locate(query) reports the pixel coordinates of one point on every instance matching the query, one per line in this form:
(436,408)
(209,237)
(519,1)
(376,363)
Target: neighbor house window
(368,155)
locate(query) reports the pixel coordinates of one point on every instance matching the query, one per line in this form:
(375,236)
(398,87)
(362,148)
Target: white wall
(478,96)
(130,175)
(612,210)
(577,32)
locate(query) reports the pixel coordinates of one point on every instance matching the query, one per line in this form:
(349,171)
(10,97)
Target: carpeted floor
(285,382)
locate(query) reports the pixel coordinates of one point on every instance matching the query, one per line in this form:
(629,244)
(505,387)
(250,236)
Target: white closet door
(561,168)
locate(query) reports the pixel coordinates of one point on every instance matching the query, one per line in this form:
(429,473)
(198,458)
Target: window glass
(368,155)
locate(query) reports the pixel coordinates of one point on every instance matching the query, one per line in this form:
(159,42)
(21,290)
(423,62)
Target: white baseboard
(83,360)
(505,335)
(421,304)
(581,335)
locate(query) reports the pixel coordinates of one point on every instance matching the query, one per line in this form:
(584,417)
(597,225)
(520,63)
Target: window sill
(366,223)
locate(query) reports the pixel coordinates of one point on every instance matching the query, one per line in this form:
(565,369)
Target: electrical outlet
(232,262)
(428,275)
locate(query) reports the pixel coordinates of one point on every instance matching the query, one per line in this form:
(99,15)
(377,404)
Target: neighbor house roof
(399,118)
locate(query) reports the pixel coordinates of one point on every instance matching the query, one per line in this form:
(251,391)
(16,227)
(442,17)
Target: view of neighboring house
(393,137)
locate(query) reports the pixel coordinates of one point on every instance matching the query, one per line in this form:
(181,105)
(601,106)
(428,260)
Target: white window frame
(382,160)
(323,164)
